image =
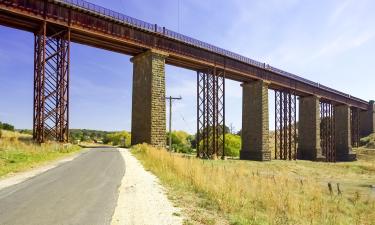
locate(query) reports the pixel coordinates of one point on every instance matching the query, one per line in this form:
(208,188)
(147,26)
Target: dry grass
(19,153)
(277,192)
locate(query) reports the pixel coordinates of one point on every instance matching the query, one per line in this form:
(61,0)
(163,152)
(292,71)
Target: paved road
(83,191)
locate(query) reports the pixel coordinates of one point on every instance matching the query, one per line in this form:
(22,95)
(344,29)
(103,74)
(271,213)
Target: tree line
(186,143)
(182,141)
(6,126)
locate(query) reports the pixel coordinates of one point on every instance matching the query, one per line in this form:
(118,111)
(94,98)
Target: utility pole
(231,128)
(170,98)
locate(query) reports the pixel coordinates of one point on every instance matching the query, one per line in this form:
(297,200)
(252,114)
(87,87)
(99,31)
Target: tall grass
(249,194)
(18,152)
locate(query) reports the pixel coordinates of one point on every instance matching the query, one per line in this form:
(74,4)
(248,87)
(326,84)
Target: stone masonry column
(309,129)
(343,143)
(255,127)
(367,120)
(148,104)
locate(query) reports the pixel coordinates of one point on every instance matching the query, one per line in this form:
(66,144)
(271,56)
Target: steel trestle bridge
(56,23)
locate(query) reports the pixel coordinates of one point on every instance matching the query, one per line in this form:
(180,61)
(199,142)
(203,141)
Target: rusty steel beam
(354,125)
(51,85)
(210,114)
(327,131)
(285,125)
(99,27)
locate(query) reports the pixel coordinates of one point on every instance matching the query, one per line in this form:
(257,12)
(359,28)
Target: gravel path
(142,200)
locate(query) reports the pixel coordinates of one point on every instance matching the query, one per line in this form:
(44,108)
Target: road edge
(20,177)
(168,214)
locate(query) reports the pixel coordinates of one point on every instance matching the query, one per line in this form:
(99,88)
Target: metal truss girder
(354,125)
(327,131)
(51,85)
(285,125)
(210,113)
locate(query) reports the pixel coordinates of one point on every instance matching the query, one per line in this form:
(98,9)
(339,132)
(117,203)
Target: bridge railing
(109,13)
(140,24)
(161,30)
(290,75)
(321,86)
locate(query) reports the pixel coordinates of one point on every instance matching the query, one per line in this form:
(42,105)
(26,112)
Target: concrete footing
(255,130)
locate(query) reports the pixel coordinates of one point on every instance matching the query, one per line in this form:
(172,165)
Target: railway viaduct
(330,122)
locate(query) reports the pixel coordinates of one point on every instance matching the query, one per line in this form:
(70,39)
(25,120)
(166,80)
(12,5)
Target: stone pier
(309,129)
(343,144)
(148,105)
(255,127)
(367,120)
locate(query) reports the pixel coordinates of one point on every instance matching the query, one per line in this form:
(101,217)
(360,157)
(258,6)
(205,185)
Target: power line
(186,123)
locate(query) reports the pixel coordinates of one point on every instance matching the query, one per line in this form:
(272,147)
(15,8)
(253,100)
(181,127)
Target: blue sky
(330,42)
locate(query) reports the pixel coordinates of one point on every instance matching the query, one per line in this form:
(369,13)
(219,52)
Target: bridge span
(330,121)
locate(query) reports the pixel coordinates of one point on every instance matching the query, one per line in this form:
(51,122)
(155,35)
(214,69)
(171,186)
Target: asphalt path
(82,191)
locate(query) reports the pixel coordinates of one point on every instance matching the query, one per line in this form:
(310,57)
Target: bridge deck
(99,27)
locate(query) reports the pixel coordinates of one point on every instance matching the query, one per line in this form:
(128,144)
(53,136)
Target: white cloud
(339,11)
(343,43)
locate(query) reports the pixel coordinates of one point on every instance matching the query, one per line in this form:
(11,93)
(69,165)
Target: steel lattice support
(210,113)
(327,131)
(354,118)
(285,125)
(51,85)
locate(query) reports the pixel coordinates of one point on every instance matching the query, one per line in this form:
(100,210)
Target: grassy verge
(19,153)
(276,192)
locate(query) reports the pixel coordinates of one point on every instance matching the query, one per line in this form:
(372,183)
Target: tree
(232,145)
(117,138)
(180,141)
(6,126)
(193,141)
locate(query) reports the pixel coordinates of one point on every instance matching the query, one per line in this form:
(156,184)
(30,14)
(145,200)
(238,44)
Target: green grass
(276,192)
(19,153)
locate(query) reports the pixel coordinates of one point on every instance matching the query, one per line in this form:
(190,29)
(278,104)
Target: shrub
(368,142)
(6,126)
(232,145)
(181,141)
(117,138)
(182,148)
